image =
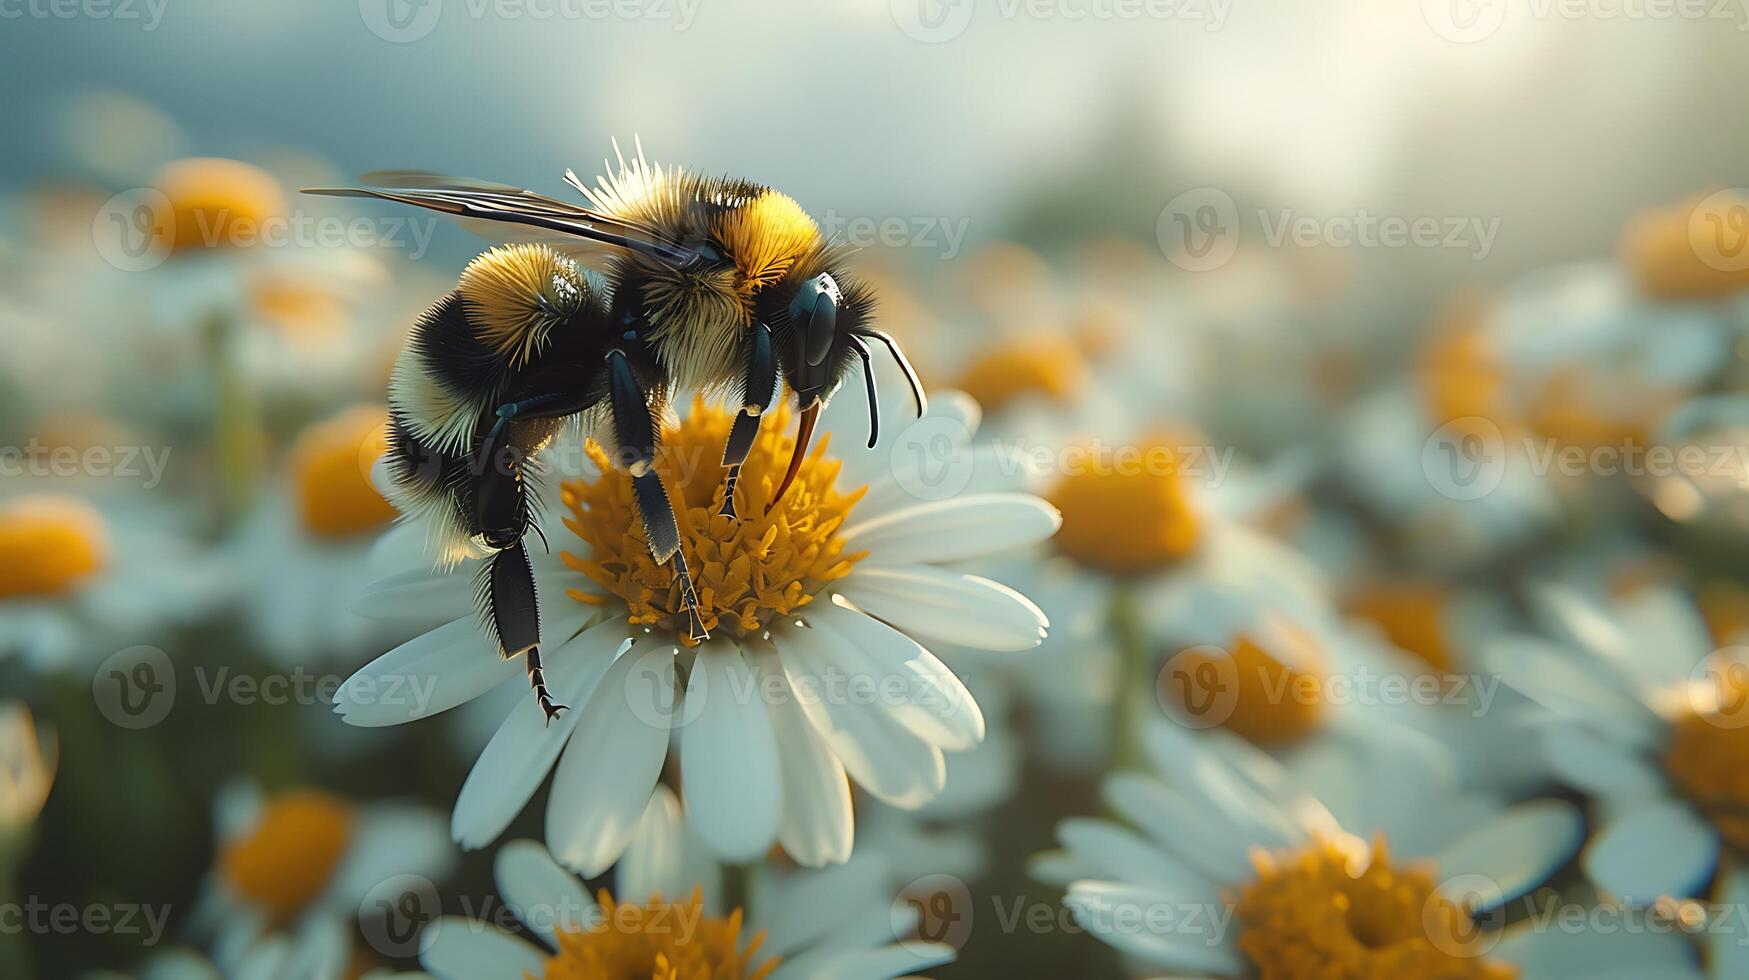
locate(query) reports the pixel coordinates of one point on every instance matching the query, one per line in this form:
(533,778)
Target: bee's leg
(635,431)
(508,600)
(757,390)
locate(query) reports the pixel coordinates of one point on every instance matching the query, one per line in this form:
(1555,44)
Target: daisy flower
(815,671)
(306,548)
(666,916)
(1647,717)
(1239,868)
(81,576)
(294,866)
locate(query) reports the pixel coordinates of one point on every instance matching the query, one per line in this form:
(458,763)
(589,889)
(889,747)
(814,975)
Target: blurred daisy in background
(294,867)
(1646,716)
(1237,867)
(815,672)
(82,577)
(305,546)
(666,915)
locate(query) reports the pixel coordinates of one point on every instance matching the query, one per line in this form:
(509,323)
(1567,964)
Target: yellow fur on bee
(765,237)
(515,294)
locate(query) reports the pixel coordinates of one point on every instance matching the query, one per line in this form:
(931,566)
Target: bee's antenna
(911,378)
(868,376)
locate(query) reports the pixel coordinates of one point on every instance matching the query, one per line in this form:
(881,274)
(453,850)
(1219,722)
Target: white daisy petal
(1598,764)
(953,607)
(1519,849)
(728,757)
(1174,822)
(455,948)
(523,749)
(608,770)
(984,468)
(934,702)
(1192,769)
(867,964)
(959,529)
(547,898)
(653,863)
(797,911)
(1547,674)
(1115,913)
(817,827)
(390,839)
(1653,851)
(1122,855)
(876,750)
(1597,953)
(426,675)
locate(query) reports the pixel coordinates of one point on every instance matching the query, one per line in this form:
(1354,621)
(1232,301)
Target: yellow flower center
(303,309)
(659,940)
(216,203)
(1412,615)
(1275,700)
(750,572)
(1458,372)
(49,544)
(331,471)
(283,862)
(1337,911)
(1707,758)
(1690,251)
(1576,407)
(1128,515)
(1044,364)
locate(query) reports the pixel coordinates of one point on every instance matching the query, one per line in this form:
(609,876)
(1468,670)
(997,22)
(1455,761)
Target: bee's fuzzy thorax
(516,294)
(765,237)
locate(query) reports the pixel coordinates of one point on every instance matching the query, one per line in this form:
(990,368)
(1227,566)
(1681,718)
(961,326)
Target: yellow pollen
(331,471)
(49,544)
(1707,759)
(1412,614)
(1339,911)
(289,856)
(658,940)
(1043,364)
(1127,516)
(216,203)
(749,573)
(1278,699)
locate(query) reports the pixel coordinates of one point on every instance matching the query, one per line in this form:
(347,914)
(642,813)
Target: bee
(597,313)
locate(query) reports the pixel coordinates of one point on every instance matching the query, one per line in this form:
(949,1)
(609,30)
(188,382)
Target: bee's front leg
(757,392)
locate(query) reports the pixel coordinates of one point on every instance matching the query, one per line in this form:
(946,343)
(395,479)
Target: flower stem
(1132,680)
(239,442)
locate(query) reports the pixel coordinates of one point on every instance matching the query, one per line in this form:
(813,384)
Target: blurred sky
(937,107)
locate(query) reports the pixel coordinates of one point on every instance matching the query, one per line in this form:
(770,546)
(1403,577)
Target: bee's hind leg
(508,599)
(760,383)
(635,430)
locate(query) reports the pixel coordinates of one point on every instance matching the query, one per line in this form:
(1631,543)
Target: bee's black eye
(813,316)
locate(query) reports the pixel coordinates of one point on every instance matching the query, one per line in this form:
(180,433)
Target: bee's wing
(486,207)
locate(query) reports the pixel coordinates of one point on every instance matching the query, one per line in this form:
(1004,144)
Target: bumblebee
(597,314)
